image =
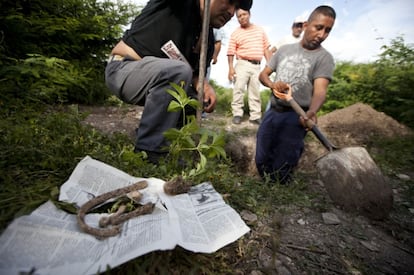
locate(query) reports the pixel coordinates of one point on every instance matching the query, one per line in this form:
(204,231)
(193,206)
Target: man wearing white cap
(294,37)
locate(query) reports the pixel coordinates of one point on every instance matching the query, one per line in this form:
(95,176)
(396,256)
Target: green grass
(396,156)
(396,153)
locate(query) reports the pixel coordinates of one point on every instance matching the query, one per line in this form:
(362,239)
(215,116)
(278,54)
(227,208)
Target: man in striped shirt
(249,43)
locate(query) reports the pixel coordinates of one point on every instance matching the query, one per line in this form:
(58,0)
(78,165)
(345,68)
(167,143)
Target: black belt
(281,108)
(255,62)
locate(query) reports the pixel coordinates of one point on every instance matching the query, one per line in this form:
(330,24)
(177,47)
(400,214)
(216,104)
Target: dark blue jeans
(279,145)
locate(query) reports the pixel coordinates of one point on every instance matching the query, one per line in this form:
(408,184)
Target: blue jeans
(279,145)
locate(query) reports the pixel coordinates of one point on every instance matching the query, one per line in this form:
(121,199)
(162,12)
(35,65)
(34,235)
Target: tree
(73,35)
(384,84)
(395,78)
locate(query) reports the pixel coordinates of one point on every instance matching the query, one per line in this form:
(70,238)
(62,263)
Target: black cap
(245,4)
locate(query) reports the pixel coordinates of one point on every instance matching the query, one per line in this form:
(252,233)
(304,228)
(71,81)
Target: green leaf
(194,103)
(174,106)
(174,94)
(66,206)
(172,134)
(204,138)
(188,142)
(179,89)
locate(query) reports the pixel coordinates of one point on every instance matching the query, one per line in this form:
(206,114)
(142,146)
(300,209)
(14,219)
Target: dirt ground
(302,240)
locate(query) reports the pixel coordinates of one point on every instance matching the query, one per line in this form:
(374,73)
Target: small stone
(248,216)
(265,256)
(283,270)
(370,245)
(403,177)
(301,222)
(319,182)
(330,218)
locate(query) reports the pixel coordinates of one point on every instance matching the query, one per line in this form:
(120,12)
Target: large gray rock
(355,182)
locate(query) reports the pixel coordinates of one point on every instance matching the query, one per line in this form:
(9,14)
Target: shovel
(312,126)
(350,176)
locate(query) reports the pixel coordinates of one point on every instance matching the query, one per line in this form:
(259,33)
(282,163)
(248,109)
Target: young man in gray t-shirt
(308,68)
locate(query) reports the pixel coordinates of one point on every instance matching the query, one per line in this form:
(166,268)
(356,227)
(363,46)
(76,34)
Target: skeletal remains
(112,225)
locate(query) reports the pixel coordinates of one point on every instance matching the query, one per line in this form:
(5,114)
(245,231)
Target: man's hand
(232,75)
(282,90)
(310,115)
(210,98)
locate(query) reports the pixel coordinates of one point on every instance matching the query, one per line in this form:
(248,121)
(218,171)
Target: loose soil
(299,240)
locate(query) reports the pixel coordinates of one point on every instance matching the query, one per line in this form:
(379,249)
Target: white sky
(360,29)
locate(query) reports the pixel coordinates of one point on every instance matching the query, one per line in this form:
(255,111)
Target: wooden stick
(203,57)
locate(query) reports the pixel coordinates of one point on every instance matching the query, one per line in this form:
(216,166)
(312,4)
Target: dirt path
(308,241)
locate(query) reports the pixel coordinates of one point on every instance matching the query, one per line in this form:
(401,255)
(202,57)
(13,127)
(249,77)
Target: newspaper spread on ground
(49,241)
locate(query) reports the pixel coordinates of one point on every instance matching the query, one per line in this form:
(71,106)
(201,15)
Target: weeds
(191,138)
(39,151)
(396,156)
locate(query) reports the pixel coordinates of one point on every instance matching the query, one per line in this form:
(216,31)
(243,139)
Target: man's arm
(320,88)
(217,48)
(232,72)
(278,88)
(268,54)
(264,77)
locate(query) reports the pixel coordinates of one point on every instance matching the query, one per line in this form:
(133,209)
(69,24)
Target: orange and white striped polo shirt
(248,43)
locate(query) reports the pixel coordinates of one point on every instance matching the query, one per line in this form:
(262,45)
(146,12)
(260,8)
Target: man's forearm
(230,59)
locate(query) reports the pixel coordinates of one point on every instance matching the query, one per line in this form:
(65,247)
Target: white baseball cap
(299,19)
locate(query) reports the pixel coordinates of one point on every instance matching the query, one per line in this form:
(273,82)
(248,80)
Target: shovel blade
(355,182)
(325,142)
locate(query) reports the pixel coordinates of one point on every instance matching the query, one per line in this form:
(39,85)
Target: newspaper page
(206,223)
(172,51)
(49,241)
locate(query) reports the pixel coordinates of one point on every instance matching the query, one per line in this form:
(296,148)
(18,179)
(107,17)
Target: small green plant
(191,142)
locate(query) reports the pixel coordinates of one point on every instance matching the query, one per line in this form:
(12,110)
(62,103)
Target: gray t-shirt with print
(300,67)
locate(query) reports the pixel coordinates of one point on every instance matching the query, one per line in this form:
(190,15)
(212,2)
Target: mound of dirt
(360,123)
(355,125)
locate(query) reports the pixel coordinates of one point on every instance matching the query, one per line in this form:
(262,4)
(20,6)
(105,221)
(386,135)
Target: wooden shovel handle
(295,106)
(287,96)
(311,125)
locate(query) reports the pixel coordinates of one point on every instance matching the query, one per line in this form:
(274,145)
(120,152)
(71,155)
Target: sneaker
(236,120)
(256,121)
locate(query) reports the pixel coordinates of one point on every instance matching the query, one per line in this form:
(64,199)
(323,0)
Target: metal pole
(203,57)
